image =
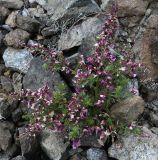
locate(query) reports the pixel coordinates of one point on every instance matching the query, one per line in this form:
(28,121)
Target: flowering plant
(99,81)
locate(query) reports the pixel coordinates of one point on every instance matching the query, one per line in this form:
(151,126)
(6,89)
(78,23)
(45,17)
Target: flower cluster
(99,81)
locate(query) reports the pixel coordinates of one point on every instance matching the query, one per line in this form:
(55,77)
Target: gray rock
(132,147)
(5,138)
(19,158)
(74,9)
(29,145)
(17,114)
(153,105)
(6,83)
(154,130)
(17,82)
(75,35)
(92,141)
(154,119)
(27,23)
(4,12)
(53,145)
(4,157)
(37,76)
(128,110)
(17,59)
(1,38)
(96,154)
(154,50)
(12,4)
(49,31)
(41,2)
(12,150)
(15,37)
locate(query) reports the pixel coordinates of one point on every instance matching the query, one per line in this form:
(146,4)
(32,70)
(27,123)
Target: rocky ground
(71,26)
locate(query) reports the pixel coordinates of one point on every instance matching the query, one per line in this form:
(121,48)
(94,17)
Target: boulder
(17,59)
(19,158)
(154,119)
(75,35)
(5,138)
(134,147)
(27,23)
(154,50)
(6,83)
(15,37)
(12,4)
(132,7)
(11,19)
(128,110)
(53,144)
(96,154)
(37,76)
(4,12)
(29,145)
(67,11)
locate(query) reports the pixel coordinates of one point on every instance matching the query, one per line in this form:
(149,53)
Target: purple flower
(76,143)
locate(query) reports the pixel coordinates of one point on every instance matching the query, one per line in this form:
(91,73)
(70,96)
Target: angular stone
(128,110)
(4,157)
(74,9)
(11,19)
(154,50)
(132,7)
(134,147)
(5,138)
(17,59)
(6,83)
(12,4)
(15,37)
(96,154)
(4,12)
(75,35)
(27,23)
(154,119)
(17,82)
(37,76)
(19,158)
(29,145)
(53,145)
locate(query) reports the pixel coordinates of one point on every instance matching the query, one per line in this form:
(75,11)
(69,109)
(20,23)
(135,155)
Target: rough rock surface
(75,35)
(37,76)
(132,147)
(96,154)
(15,37)
(128,110)
(18,59)
(12,4)
(19,158)
(53,145)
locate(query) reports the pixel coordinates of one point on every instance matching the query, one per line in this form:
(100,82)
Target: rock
(53,145)
(92,141)
(1,38)
(37,12)
(17,59)
(77,157)
(132,8)
(6,83)
(154,130)
(15,37)
(128,110)
(17,82)
(19,158)
(154,50)
(12,151)
(41,2)
(17,115)
(49,31)
(5,138)
(27,23)
(37,76)
(11,4)
(4,157)
(142,147)
(75,35)
(154,119)
(153,105)
(4,12)
(29,145)
(96,154)
(11,19)
(74,9)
